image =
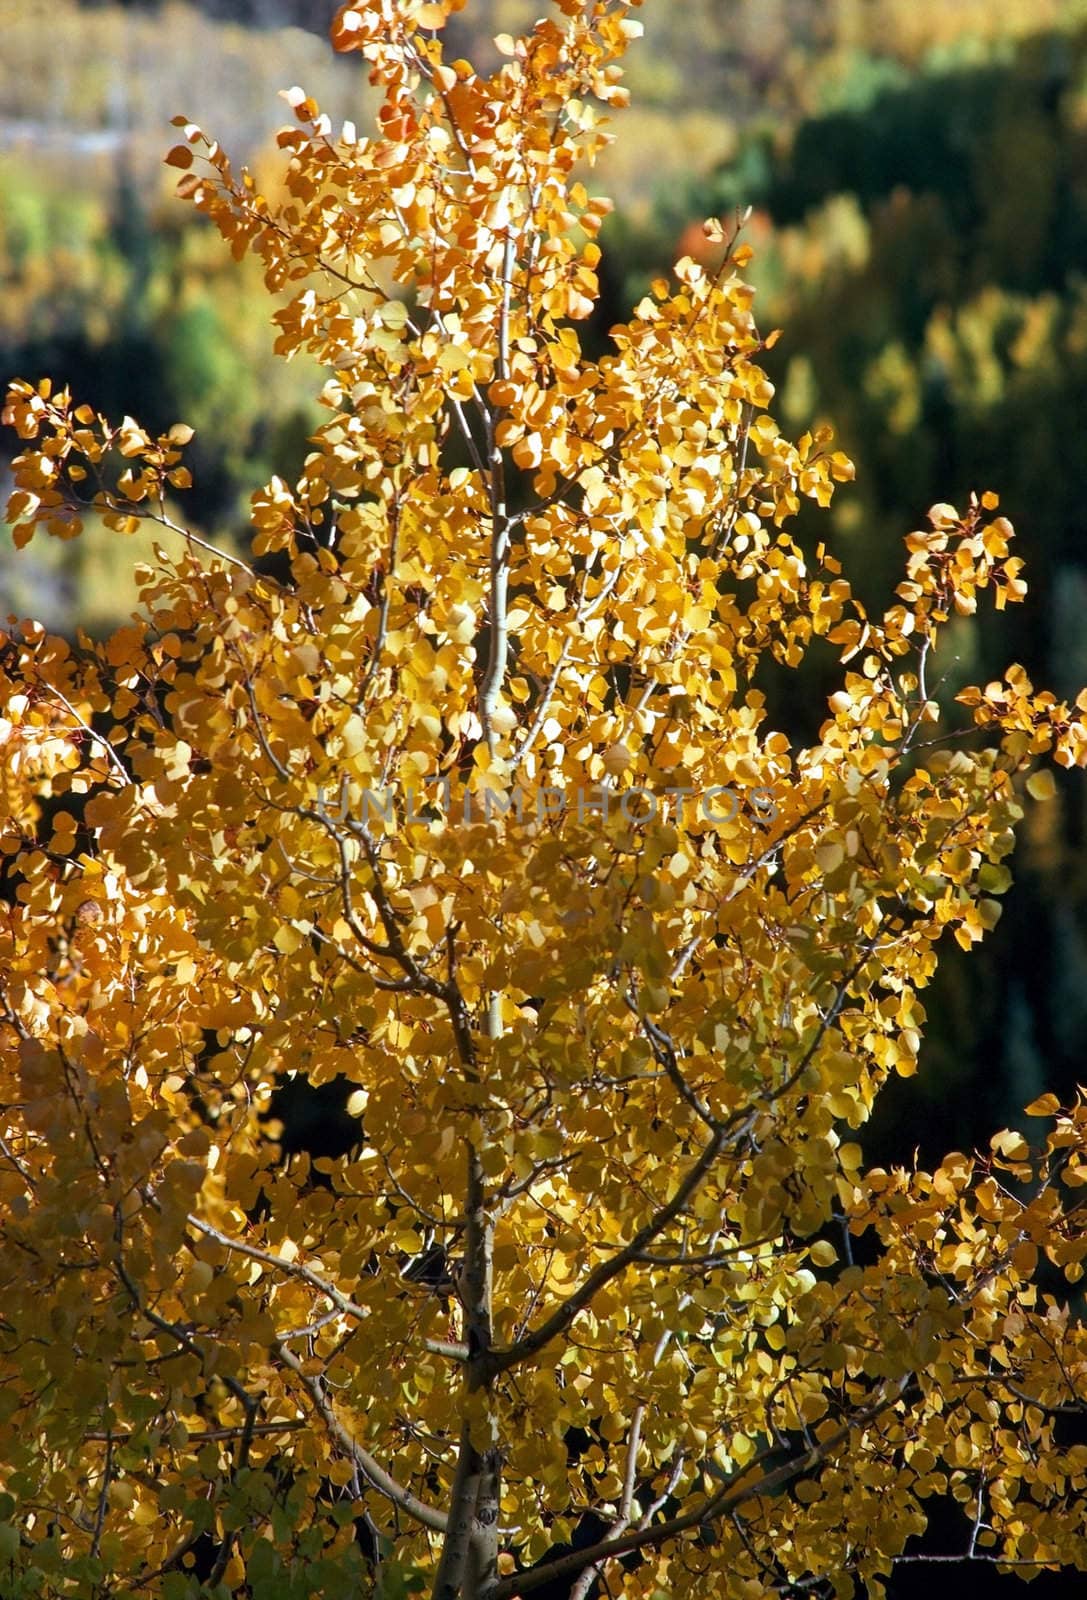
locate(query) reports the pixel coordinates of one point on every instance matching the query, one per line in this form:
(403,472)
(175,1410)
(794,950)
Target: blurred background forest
(918,176)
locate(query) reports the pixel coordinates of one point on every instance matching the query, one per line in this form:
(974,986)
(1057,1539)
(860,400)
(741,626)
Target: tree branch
(741,1487)
(581,1587)
(375,1475)
(561,1318)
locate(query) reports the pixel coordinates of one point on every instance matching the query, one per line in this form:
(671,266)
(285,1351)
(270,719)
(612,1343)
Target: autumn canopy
(459,788)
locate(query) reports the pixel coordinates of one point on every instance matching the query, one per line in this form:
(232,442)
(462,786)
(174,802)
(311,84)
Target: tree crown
(461,792)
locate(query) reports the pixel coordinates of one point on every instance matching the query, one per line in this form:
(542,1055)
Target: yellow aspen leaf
(829,855)
(1042,785)
(1012,1146)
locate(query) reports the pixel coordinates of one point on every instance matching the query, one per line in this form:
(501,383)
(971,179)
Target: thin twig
(582,1585)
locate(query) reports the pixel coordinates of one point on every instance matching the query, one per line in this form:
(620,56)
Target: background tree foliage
(458,795)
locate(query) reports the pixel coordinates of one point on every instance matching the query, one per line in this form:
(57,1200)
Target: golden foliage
(476,807)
